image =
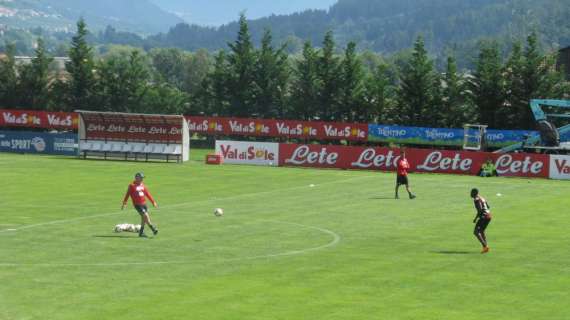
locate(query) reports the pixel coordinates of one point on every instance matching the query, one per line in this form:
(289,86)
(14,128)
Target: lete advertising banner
(279,128)
(560,167)
(441,136)
(254,153)
(122,131)
(38,119)
(38,142)
(421,160)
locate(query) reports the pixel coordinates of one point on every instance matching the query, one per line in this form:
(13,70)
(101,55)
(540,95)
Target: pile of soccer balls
(218,212)
(127,227)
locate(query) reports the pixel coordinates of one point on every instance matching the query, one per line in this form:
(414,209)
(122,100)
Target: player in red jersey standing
(402,177)
(138,193)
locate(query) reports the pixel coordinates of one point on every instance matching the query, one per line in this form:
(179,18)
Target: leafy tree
(436,115)
(241,80)
(513,113)
(553,83)
(8,78)
(329,74)
(34,83)
(271,77)
(540,78)
(81,71)
(124,82)
(169,65)
(196,68)
(166,99)
(306,84)
(457,107)
(533,72)
(213,97)
(488,84)
(530,75)
(379,96)
(351,106)
(416,94)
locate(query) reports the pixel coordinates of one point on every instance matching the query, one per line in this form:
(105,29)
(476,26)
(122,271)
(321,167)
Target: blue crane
(541,117)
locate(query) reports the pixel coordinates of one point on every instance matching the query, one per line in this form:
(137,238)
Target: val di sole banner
(253,153)
(560,167)
(279,128)
(38,119)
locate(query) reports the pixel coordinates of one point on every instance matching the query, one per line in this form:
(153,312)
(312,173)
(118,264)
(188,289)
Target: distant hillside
(384,26)
(388,26)
(139,16)
(218,12)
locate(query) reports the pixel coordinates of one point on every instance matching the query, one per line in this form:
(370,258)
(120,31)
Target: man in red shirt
(402,177)
(138,193)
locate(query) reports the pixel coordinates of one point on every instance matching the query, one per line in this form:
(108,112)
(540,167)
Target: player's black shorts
(481,225)
(141,208)
(401,180)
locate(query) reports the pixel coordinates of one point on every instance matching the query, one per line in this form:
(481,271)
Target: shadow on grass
(114,159)
(453,252)
(116,236)
(382,198)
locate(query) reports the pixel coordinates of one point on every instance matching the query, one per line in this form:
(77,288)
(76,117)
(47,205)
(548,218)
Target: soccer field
(293,244)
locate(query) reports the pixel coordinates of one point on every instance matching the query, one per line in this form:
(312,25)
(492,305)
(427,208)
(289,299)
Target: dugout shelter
(131,136)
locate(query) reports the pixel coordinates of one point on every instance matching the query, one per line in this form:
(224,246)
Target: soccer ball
(218,212)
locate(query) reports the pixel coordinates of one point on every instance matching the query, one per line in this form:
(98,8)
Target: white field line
(183,204)
(335,240)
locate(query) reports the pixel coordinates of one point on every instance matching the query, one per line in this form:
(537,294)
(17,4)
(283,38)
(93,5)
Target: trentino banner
(441,136)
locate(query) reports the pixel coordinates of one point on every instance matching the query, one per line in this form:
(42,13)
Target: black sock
(141,230)
(481,239)
(153,228)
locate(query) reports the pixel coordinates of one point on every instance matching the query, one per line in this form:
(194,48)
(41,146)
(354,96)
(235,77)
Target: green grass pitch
(341,249)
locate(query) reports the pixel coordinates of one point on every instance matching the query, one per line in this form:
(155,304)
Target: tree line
(319,83)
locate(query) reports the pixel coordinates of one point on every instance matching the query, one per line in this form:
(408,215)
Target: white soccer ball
(218,212)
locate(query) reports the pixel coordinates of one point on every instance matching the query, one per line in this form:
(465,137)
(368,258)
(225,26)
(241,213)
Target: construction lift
(548,139)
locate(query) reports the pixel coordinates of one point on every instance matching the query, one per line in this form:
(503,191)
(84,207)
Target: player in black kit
(482,219)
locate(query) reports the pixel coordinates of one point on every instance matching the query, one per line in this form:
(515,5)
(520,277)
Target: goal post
(474,136)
